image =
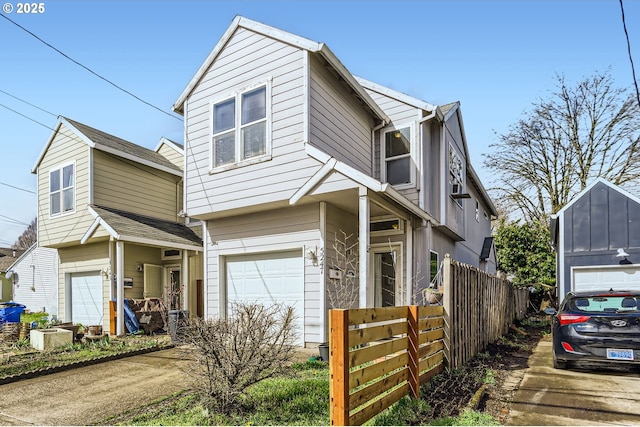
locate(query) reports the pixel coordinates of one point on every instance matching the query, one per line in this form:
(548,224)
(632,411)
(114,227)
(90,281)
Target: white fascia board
(159,243)
(46,147)
(92,229)
(398,96)
(138,160)
(170,143)
(316,179)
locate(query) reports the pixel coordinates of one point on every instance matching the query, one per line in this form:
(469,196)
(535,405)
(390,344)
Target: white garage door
(619,278)
(268,278)
(86,298)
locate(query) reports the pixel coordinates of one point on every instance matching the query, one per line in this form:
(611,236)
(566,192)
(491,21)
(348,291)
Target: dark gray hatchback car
(597,326)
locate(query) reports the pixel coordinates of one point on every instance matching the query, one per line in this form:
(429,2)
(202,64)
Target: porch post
(184,277)
(366,294)
(120,287)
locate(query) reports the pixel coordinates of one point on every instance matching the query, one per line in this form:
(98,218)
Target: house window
(456,173)
(477,211)
(61,190)
(386,226)
(434,266)
(397,156)
(240,127)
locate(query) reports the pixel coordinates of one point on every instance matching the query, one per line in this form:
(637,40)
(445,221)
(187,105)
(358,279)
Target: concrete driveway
(85,396)
(579,396)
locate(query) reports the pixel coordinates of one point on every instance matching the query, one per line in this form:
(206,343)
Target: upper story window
(396,156)
(240,128)
(61,190)
(456,173)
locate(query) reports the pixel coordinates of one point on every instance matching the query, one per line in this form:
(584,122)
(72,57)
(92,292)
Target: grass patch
(467,418)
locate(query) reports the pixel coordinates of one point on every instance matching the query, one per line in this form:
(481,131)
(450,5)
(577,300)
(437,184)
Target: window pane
(224,117)
(54,180)
(397,142)
(67,200)
(398,171)
(54,201)
(67,176)
(224,147)
(253,140)
(254,105)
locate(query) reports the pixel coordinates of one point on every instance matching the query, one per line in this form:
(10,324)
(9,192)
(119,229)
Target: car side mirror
(550,311)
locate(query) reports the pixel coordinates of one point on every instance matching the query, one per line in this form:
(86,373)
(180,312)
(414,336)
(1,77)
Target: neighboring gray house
(285,149)
(35,279)
(597,240)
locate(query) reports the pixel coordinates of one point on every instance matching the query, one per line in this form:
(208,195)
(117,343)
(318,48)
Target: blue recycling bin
(11,311)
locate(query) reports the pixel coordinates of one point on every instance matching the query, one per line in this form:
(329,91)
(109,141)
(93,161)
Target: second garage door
(619,278)
(268,278)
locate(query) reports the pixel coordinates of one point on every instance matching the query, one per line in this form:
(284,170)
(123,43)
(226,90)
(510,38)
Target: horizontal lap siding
(400,114)
(172,155)
(270,231)
(339,125)
(68,228)
(129,186)
(247,59)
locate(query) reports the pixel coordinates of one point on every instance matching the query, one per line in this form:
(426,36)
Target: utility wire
(89,69)
(633,70)
(26,117)
(18,188)
(28,103)
(16,221)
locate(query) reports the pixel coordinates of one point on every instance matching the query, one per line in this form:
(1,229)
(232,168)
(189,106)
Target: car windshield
(605,303)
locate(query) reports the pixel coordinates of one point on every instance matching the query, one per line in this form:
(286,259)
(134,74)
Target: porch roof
(135,228)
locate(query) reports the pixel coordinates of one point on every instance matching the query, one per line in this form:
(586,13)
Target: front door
(387,271)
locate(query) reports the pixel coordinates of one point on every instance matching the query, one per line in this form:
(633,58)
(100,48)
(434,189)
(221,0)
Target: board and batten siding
(270,231)
(338,124)
(248,59)
(401,115)
(68,228)
(126,185)
(90,258)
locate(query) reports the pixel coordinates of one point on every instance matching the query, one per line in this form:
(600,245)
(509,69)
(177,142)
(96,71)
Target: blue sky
(495,57)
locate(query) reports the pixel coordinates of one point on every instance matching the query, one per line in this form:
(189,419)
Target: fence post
(414,351)
(447,289)
(339,367)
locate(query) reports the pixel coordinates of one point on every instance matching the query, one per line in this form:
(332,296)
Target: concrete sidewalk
(87,395)
(548,396)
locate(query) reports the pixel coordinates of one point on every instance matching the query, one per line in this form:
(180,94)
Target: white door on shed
(621,278)
(86,298)
(268,278)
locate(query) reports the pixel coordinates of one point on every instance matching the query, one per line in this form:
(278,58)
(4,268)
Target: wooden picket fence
(379,355)
(479,309)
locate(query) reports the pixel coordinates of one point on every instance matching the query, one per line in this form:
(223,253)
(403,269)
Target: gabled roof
(402,97)
(7,257)
(130,227)
(288,38)
(107,143)
(22,256)
(166,141)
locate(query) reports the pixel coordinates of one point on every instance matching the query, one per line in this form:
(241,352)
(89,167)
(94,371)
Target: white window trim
(399,230)
(74,186)
(412,154)
(237,95)
(462,176)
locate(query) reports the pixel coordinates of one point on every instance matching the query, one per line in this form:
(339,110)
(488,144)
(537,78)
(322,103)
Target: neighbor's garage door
(86,298)
(618,278)
(268,278)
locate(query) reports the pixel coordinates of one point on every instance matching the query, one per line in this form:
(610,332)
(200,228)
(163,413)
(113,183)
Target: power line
(27,117)
(14,221)
(88,69)
(18,188)
(633,70)
(28,103)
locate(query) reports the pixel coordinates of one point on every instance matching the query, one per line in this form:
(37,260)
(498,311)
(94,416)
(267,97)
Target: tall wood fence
(379,355)
(479,309)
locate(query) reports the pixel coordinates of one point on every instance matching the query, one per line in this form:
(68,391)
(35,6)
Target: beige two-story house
(111,208)
(287,154)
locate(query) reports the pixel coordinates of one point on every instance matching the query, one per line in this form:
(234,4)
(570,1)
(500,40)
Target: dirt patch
(500,368)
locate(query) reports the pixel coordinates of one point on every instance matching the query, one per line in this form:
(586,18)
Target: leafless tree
(579,133)
(28,236)
(228,355)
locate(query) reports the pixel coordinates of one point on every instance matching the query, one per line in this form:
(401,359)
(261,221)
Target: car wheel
(559,364)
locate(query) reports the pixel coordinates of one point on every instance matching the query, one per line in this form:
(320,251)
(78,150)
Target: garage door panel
(618,278)
(268,279)
(86,298)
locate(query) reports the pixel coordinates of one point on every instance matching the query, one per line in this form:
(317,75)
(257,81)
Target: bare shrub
(228,355)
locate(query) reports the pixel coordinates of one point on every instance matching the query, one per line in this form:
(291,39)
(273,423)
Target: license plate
(615,354)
